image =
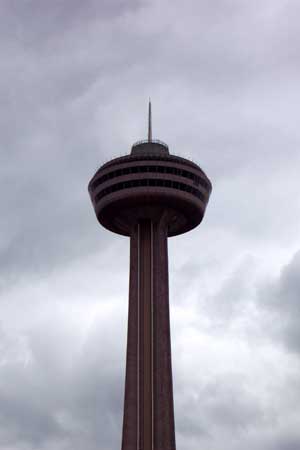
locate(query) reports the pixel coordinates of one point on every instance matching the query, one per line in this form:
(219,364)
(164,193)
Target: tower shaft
(148,422)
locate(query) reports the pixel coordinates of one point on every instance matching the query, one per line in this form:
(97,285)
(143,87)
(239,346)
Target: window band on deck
(153,182)
(152,169)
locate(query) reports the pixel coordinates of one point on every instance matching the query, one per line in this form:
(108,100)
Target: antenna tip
(149,122)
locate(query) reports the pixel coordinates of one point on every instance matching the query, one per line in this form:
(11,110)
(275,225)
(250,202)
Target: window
(149,182)
(151,169)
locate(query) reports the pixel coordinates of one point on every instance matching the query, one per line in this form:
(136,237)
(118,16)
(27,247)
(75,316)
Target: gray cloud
(33,21)
(221,403)
(281,300)
(67,391)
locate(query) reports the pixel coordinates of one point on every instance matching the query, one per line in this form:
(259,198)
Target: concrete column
(130,418)
(148,422)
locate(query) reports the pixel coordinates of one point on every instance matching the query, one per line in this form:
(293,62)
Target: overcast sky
(223,76)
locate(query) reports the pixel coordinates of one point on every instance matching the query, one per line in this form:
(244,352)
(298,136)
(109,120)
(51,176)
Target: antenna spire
(149,122)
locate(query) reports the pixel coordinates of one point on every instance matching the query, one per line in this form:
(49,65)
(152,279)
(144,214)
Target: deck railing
(153,141)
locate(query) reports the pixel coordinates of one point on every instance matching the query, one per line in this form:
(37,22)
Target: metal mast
(149,122)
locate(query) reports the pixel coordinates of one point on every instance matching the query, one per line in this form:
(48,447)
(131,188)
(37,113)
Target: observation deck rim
(153,141)
(130,158)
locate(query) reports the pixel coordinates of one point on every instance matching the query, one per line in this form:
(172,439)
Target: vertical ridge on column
(152,341)
(163,386)
(148,411)
(145,314)
(138,340)
(130,418)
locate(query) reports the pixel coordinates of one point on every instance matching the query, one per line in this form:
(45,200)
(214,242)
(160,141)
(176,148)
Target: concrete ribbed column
(148,422)
(164,436)
(130,419)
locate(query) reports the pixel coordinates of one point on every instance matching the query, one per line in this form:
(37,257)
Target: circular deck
(146,183)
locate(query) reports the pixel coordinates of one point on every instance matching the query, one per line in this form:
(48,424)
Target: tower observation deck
(149,195)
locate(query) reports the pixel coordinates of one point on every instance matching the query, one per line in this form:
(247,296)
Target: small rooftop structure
(153,147)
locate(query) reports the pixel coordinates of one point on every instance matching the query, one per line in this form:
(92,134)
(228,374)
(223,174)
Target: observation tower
(149,195)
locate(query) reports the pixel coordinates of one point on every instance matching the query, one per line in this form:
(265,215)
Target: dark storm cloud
(37,20)
(48,145)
